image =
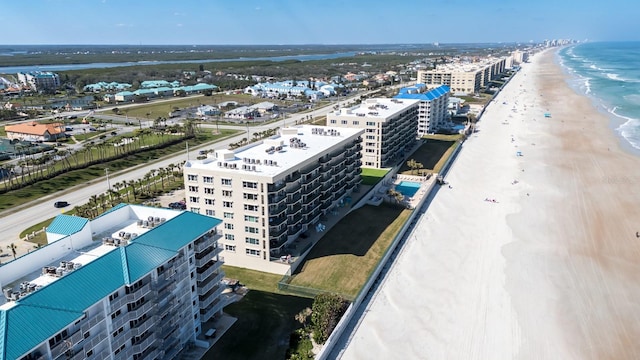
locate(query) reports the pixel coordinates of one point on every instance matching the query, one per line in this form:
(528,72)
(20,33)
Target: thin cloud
(258,8)
(179,25)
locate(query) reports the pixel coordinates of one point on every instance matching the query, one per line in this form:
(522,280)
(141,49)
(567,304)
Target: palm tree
(13,248)
(413,165)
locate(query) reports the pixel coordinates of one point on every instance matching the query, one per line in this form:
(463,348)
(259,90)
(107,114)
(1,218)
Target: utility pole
(106,170)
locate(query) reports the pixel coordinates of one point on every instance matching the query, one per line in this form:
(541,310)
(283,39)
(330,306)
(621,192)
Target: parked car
(92,129)
(60,204)
(178,205)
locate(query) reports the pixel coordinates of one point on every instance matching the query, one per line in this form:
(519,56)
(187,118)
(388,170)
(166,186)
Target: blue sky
(313,21)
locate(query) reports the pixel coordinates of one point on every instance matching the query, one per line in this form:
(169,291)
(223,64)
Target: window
(356,122)
(368,137)
(249,185)
(227,193)
(252,252)
(207,179)
(227,204)
(371,123)
(194,199)
(115,333)
(210,212)
(192,177)
(333,121)
(252,241)
(195,210)
(229,237)
(251,207)
(193,188)
(248,196)
(208,190)
(113,296)
(251,229)
(230,248)
(228,215)
(226,182)
(228,226)
(116,314)
(209,201)
(343,122)
(250,218)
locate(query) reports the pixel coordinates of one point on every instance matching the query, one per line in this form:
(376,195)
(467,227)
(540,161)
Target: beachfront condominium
(270,193)
(433,109)
(134,283)
(466,78)
(39,80)
(390,128)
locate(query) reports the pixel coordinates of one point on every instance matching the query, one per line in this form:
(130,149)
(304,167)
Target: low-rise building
(390,128)
(134,283)
(33,131)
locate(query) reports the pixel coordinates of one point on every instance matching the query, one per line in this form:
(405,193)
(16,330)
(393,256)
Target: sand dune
(549,270)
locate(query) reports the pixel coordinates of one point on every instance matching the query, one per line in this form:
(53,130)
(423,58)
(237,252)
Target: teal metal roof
(83,287)
(40,315)
(178,232)
(30,323)
(140,259)
(67,224)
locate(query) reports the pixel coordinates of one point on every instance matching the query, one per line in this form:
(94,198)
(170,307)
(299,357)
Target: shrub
(327,309)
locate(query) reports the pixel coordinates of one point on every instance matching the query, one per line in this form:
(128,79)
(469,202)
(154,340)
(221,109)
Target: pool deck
(415,201)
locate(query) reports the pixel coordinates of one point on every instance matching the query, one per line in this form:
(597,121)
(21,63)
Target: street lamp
(106,170)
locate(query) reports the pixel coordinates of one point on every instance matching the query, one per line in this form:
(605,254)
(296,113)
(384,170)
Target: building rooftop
(409,93)
(58,295)
(274,156)
(375,108)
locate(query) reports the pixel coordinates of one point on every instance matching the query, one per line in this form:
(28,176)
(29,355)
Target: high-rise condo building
(269,193)
(134,283)
(432,112)
(390,128)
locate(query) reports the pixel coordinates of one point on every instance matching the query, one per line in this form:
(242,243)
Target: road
(21,217)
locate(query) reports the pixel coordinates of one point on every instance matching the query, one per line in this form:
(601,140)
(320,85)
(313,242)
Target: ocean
(609,73)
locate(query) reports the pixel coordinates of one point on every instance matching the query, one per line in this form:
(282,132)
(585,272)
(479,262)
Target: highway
(16,220)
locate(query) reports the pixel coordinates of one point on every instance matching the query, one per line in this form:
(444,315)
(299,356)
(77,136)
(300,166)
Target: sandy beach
(548,270)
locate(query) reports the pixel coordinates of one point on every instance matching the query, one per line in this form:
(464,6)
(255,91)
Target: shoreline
(549,269)
(615,121)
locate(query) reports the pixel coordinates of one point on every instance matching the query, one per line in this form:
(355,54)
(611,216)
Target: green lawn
(432,154)
(344,258)
(265,321)
(371,176)
(253,279)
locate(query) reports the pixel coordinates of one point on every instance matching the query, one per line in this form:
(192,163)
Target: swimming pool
(408,188)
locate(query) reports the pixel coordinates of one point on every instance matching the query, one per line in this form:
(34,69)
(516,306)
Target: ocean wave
(616,77)
(629,130)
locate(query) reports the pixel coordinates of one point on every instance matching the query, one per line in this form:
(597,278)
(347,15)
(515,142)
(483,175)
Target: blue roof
(406,93)
(38,316)
(67,225)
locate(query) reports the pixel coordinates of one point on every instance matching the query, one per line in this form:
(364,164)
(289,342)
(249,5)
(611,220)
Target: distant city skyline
(273,22)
